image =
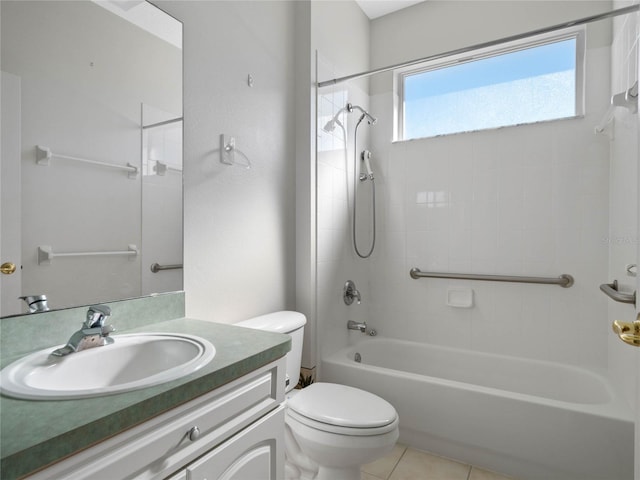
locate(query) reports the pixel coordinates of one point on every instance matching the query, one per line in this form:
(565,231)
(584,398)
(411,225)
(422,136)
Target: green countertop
(34,434)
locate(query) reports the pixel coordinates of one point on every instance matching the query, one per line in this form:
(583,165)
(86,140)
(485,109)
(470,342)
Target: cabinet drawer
(164,444)
(257,452)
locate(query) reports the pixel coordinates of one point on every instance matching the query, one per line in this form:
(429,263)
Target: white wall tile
(526,200)
(621,240)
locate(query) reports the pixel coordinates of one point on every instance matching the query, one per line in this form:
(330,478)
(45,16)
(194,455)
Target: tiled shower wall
(528,200)
(525,200)
(341,40)
(623,236)
(337,260)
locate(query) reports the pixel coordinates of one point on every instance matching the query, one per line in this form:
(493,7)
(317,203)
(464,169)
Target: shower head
(330,126)
(372,120)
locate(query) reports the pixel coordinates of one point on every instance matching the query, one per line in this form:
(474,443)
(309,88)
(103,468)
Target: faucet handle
(350,293)
(96,315)
(107,329)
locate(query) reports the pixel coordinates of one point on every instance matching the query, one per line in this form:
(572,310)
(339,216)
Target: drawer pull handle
(194,433)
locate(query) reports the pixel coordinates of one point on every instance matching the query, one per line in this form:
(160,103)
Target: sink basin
(130,363)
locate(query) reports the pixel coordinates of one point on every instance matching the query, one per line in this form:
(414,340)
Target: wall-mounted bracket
(43,155)
(227,149)
(229,152)
(160,168)
(45,254)
(628,99)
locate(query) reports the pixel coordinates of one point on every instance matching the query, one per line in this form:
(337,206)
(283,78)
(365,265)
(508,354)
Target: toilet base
(333,473)
(291,472)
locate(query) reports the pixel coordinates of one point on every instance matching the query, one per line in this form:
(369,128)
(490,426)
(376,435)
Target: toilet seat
(292,416)
(341,409)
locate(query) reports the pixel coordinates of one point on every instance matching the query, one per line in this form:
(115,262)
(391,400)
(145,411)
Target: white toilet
(330,430)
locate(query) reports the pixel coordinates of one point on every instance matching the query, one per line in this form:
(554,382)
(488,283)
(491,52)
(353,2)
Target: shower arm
(372,120)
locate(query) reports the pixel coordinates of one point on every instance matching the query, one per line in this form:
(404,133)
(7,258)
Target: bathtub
(525,418)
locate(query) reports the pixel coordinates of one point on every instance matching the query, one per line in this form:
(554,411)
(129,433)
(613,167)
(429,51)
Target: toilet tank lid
(280,322)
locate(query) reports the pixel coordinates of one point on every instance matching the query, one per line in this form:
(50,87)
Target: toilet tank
(288,322)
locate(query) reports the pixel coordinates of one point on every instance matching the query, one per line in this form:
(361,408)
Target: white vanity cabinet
(233,432)
(249,455)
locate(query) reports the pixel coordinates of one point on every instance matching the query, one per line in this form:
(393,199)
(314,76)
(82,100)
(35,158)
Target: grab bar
(156,267)
(46,253)
(44,156)
(564,280)
(611,291)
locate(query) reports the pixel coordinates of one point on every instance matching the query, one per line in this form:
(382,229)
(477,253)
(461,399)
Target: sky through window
(529,85)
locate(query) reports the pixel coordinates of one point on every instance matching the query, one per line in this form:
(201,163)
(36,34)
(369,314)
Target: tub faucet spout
(36,303)
(351,325)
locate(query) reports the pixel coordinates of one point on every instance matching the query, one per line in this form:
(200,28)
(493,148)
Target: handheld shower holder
(365,157)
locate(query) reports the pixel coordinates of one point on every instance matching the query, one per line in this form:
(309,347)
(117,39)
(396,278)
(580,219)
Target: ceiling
(378,8)
(148,17)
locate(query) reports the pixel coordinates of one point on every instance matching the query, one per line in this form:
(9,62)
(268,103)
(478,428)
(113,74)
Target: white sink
(130,363)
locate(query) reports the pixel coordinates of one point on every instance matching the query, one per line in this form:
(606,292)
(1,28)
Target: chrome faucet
(94,333)
(36,303)
(350,293)
(351,325)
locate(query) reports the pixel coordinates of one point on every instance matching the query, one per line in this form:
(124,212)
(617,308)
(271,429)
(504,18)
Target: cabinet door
(255,453)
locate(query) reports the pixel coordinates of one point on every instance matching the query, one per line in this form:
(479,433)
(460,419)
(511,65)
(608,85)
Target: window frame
(399,74)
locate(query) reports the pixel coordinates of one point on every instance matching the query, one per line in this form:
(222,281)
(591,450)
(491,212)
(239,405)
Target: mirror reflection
(91,152)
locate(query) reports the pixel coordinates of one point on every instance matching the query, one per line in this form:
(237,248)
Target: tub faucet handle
(350,293)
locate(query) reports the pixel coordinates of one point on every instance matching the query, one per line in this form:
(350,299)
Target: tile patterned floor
(408,464)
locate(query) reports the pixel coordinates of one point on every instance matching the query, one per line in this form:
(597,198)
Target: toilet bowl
(331,430)
(341,428)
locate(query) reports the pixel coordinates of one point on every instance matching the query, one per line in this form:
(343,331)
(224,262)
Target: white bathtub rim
(616,408)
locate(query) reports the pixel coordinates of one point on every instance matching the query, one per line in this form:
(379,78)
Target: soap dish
(460,297)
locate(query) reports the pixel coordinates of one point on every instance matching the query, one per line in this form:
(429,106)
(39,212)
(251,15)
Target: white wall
(528,200)
(238,223)
(623,236)
(438,26)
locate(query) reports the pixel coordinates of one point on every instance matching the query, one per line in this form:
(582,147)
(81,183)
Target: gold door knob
(8,268)
(628,332)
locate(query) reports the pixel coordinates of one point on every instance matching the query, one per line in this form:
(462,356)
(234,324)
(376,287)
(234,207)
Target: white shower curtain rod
(581,21)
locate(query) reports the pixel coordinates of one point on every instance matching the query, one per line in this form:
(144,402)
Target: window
(510,84)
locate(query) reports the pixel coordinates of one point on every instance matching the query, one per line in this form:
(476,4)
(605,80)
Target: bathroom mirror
(91,152)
